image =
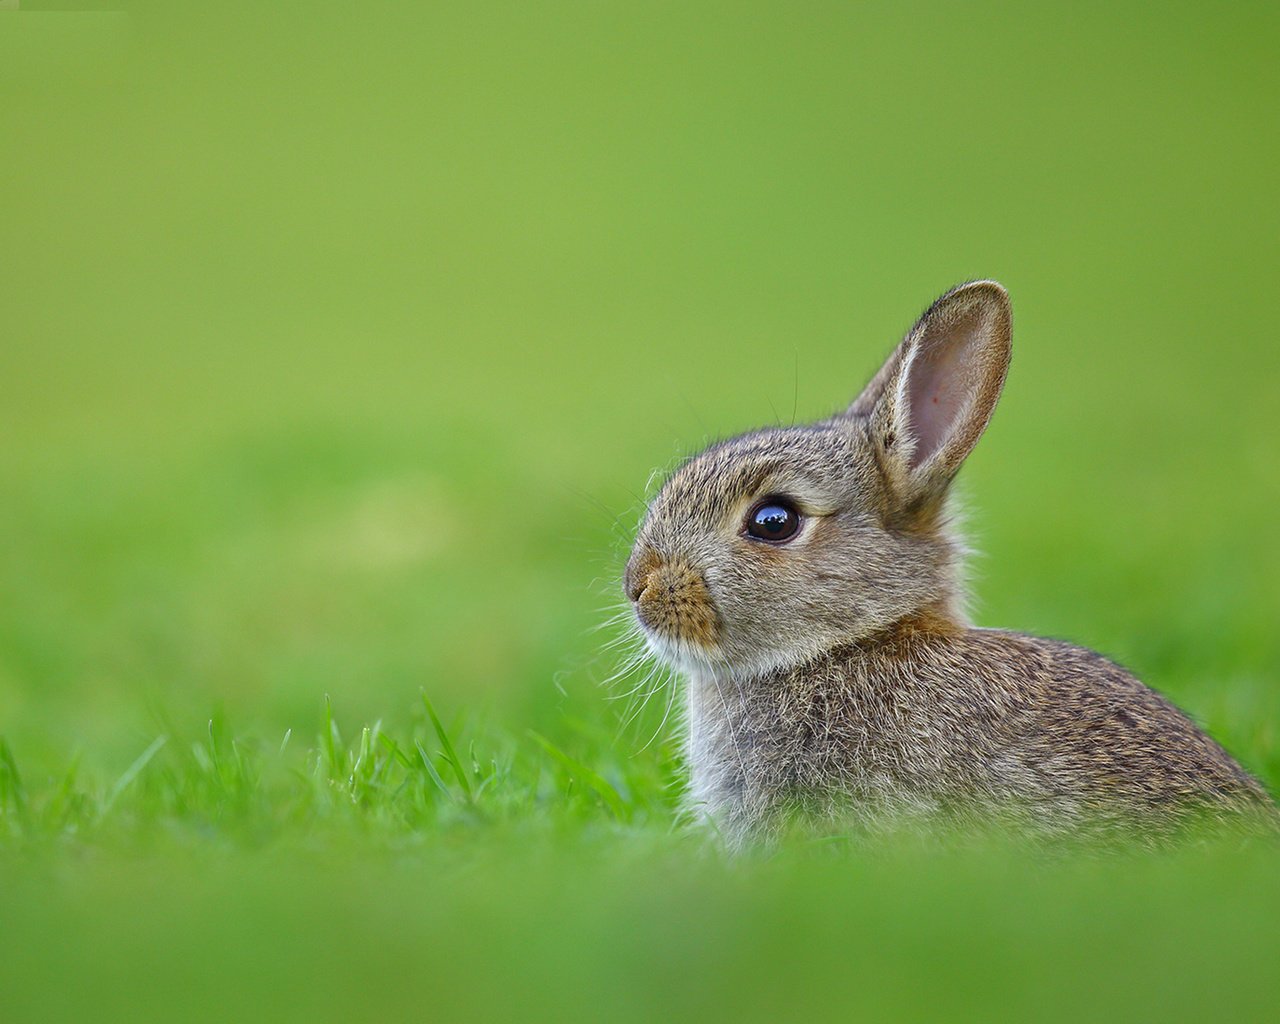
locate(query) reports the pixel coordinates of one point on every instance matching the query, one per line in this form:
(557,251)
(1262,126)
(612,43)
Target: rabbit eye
(773,520)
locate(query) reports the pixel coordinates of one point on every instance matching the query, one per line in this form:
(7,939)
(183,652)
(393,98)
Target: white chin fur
(683,656)
(694,659)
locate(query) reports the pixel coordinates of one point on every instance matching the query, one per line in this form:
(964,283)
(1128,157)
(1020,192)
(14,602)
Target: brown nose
(639,571)
(672,599)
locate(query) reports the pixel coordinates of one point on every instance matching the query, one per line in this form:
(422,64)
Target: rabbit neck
(742,729)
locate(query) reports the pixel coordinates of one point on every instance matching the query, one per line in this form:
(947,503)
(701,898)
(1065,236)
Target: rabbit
(807,584)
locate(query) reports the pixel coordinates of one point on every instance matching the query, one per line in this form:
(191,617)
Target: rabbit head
(768,549)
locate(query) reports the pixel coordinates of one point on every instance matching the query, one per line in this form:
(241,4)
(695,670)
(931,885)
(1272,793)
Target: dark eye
(773,520)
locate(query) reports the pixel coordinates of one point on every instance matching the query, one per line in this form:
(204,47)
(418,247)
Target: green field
(337,348)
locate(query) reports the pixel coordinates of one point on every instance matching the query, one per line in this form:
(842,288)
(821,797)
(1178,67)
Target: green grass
(336,351)
(378,875)
(390,788)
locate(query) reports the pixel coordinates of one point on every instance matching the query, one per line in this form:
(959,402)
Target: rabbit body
(972,724)
(808,583)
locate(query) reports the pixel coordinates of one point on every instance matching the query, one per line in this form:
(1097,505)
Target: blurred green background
(337,346)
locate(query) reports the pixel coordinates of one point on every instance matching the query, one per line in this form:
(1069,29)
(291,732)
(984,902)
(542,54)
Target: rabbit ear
(934,397)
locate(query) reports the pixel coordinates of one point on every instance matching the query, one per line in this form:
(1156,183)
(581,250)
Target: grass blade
(431,770)
(447,746)
(597,782)
(132,772)
(12,793)
(331,740)
(393,748)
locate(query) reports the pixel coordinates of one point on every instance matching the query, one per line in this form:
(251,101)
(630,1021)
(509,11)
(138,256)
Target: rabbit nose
(639,572)
(672,599)
(636,589)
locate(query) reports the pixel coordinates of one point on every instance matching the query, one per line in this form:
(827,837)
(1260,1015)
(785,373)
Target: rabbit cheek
(676,603)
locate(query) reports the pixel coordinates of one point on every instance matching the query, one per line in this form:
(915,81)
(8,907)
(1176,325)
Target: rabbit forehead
(823,467)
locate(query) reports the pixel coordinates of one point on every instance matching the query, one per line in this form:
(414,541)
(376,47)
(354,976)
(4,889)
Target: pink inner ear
(942,382)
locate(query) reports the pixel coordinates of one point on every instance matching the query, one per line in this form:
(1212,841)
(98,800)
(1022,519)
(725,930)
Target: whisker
(666,714)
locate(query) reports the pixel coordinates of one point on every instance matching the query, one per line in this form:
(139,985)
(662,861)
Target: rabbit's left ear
(934,397)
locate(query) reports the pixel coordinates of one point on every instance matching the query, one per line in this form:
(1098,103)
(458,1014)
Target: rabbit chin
(701,660)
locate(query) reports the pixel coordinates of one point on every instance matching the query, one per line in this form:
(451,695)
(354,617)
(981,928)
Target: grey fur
(835,677)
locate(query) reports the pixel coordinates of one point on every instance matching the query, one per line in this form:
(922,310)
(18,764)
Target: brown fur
(967,724)
(835,676)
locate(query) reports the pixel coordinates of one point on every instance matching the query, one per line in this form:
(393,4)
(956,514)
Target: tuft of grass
(219,875)
(394,784)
